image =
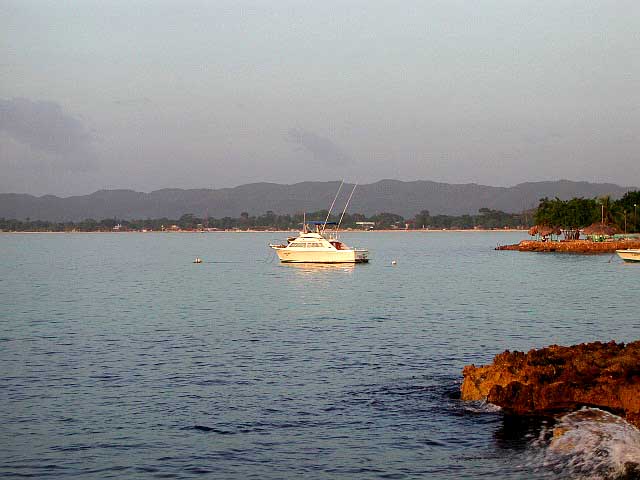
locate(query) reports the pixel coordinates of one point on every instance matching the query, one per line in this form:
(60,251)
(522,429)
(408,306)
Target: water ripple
(122,360)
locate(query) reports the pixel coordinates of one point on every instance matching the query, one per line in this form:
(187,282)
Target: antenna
(332,203)
(345,207)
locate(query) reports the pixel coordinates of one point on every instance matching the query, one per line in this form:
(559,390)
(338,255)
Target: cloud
(44,126)
(322,149)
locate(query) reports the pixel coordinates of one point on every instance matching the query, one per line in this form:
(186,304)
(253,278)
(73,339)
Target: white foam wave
(591,444)
(481,406)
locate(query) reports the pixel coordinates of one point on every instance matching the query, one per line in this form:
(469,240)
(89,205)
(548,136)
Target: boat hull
(631,256)
(338,256)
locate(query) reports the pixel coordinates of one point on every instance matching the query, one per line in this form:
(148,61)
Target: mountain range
(403,198)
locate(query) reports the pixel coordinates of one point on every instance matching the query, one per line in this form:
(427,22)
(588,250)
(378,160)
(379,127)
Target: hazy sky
(154,94)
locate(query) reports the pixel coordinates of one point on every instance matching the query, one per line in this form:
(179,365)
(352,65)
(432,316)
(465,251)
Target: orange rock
(572,246)
(556,379)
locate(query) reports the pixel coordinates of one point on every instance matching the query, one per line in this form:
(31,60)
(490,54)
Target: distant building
(366,225)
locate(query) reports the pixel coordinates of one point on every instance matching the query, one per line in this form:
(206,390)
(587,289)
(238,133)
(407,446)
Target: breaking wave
(589,444)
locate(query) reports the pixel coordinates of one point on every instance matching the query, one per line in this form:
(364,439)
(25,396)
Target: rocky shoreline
(559,379)
(571,246)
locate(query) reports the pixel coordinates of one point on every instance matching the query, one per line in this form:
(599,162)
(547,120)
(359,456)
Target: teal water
(121,358)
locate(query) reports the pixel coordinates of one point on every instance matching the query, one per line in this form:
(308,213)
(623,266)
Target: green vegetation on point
(581,212)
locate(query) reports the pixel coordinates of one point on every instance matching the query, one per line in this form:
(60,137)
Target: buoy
(393,262)
(197,260)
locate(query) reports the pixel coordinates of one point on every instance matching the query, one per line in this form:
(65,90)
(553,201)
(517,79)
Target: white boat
(629,255)
(319,247)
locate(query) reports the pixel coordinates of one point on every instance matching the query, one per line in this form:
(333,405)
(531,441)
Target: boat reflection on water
(316,268)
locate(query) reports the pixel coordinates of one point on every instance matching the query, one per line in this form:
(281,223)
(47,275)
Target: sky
(143,95)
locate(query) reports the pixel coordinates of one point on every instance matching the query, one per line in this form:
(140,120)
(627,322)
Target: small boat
(629,255)
(319,247)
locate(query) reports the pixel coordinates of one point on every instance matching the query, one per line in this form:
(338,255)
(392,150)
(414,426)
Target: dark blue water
(121,358)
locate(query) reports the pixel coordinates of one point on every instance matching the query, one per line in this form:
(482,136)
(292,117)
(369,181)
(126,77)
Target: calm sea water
(121,358)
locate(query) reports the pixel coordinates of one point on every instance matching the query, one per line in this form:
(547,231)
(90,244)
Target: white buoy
(393,262)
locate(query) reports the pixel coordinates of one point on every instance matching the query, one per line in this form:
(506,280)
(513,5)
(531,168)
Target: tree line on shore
(486,218)
(581,212)
(568,214)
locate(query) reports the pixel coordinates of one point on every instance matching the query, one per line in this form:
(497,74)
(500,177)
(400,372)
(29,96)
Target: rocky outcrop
(571,246)
(557,379)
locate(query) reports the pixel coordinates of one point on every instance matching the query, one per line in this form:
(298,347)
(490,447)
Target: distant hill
(404,198)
